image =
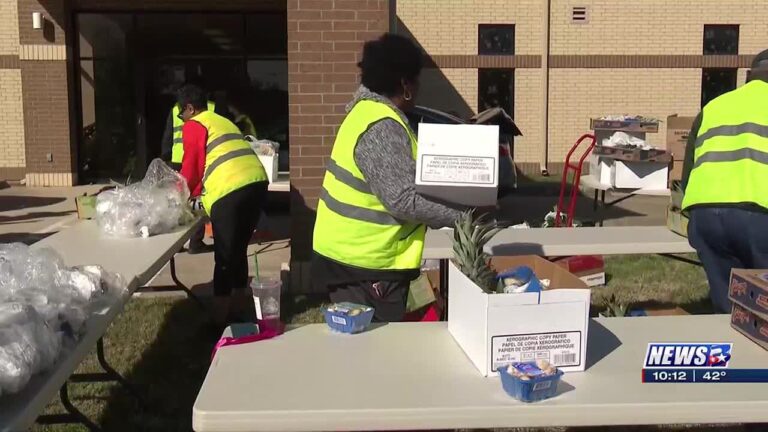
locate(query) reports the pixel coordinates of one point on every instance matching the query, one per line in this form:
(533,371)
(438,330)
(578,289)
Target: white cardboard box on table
(640,175)
(270,166)
(458,163)
(498,329)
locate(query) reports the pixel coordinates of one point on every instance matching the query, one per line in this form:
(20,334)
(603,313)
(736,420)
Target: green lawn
(163,347)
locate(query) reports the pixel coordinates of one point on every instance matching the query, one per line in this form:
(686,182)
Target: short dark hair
(387,61)
(759,68)
(193,95)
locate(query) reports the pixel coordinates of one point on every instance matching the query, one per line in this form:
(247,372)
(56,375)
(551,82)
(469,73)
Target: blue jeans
(727,238)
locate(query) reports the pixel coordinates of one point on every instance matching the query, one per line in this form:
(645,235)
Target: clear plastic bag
(158,204)
(263,147)
(44,306)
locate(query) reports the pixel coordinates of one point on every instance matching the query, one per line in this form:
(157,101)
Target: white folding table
(137,260)
(624,240)
(599,204)
(414,376)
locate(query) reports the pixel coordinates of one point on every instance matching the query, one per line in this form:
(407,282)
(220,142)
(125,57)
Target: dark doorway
(130,65)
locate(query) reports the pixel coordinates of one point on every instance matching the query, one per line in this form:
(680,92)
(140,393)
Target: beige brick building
(641,57)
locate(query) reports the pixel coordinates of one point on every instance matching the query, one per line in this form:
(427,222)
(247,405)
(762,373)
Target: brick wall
(450,27)
(12,158)
(49,152)
(46,114)
(583,82)
(9,27)
(186,5)
(325,39)
(12,120)
(654,26)
(578,94)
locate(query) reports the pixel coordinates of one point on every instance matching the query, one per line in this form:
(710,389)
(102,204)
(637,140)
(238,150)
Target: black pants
(233,218)
(388,298)
(727,238)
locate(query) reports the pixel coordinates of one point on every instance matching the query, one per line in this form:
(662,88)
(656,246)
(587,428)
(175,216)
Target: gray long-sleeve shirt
(384,156)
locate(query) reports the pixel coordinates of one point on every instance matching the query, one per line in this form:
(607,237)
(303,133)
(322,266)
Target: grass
(163,346)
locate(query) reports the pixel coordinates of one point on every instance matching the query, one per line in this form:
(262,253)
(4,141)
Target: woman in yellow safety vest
(369,233)
(223,171)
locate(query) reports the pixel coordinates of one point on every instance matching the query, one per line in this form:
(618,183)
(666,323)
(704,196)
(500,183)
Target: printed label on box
(560,348)
(542,385)
(457,169)
(339,320)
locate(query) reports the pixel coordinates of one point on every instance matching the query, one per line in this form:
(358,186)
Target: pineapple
(469,237)
(614,309)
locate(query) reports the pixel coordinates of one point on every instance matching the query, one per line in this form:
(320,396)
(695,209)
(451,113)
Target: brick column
(325,39)
(43,60)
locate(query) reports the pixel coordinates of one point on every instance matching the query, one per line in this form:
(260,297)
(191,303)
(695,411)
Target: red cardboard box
(588,268)
(749,288)
(750,325)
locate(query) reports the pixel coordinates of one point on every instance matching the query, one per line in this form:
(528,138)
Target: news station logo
(687,355)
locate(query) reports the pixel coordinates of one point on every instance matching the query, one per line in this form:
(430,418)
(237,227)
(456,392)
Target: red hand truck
(576,168)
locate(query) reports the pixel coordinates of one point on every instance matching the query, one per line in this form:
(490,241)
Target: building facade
(86,95)
(560,62)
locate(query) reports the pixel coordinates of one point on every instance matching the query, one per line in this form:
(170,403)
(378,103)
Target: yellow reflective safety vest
(730,162)
(230,163)
(177,150)
(352,225)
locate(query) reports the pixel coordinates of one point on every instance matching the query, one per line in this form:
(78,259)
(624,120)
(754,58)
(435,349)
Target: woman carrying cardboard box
(369,233)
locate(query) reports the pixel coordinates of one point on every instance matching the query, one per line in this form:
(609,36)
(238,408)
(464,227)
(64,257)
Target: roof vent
(579,15)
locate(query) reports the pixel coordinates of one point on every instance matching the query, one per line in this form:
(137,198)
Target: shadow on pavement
(20,202)
(26,238)
(32,217)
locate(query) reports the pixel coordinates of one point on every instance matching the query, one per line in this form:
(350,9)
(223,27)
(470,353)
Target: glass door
(108,109)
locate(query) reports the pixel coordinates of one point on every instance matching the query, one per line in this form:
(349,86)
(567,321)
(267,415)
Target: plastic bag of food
(158,204)
(263,147)
(44,307)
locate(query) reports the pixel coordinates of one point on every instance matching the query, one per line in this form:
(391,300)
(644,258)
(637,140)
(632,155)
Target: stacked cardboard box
(676,221)
(678,129)
(748,291)
(640,170)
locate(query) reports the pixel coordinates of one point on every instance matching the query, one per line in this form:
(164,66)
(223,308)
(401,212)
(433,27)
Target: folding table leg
(109,374)
(73,415)
(181,286)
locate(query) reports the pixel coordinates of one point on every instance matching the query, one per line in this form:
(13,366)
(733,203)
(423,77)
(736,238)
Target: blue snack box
(340,317)
(539,387)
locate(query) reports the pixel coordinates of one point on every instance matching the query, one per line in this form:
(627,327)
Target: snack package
(518,280)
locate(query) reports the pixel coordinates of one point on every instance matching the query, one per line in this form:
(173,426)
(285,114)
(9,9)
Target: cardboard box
(676,171)
(750,325)
(640,175)
(624,125)
(600,168)
(497,329)
(458,163)
(270,166)
(86,206)
(678,129)
(677,222)
(749,288)
(675,194)
(589,268)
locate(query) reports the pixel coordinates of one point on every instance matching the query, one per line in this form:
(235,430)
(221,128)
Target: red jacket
(195,138)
